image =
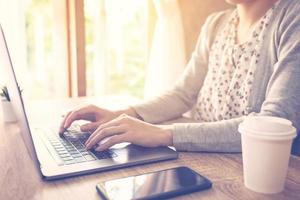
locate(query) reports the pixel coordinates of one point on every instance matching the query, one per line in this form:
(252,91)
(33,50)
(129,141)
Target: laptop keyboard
(71,149)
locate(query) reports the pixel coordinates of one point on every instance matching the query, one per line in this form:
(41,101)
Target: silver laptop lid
(7,73)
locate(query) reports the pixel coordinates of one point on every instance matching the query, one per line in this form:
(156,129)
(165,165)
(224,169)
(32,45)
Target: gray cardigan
(276,88)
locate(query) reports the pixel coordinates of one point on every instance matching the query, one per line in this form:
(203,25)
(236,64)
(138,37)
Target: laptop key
(80,149)
(80,159)
(62,152)
(80,146)
(60,148)
(73,152)
(56,143)
(68,162)
(65,155)
(67,158)
(89,158)
(77,156)
(85,153)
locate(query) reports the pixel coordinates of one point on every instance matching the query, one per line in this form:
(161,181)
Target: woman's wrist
(167,135)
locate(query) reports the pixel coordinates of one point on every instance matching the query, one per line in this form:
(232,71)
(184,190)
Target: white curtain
(167,56)
(12,19)
(42,69)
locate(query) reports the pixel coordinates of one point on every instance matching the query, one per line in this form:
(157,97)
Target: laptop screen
(8,75)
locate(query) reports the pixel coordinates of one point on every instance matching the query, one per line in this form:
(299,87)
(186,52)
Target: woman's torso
(231,67)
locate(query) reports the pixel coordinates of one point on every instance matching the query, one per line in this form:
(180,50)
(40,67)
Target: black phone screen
(161,184)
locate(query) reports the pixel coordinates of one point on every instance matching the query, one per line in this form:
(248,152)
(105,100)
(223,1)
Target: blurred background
(70,48)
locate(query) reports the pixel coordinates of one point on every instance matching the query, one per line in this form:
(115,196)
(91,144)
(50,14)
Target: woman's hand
(128,129)
(91,113)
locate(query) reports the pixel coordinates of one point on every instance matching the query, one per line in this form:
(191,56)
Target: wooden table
(19,178)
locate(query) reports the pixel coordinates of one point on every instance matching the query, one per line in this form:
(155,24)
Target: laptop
(60,157)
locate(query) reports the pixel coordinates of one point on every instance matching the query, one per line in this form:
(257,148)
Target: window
(46,72)
(115,46)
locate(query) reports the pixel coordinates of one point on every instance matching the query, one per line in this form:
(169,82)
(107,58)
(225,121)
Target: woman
(246,62)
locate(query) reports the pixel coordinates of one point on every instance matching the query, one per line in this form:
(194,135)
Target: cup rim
(291,134)
(275,119)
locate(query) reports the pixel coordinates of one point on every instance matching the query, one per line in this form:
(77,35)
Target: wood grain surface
(20,179)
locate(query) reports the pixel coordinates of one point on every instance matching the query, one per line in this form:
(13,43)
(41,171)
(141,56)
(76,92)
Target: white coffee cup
(266,147)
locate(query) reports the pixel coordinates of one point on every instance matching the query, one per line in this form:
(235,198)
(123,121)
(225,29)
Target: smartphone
(156,185)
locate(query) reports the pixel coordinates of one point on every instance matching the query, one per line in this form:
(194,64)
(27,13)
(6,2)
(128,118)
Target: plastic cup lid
(267,126)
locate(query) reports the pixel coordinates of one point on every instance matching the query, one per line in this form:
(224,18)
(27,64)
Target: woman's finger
(61,128)
(99,135)
(114,122)
(116,139)
(82,113)
(122,119)
(90,127)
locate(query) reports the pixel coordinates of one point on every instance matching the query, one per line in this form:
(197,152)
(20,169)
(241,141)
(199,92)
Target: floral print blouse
(228,83)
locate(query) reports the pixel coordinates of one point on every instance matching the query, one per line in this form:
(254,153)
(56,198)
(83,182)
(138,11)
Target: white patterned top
(228,83)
